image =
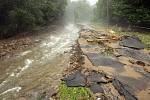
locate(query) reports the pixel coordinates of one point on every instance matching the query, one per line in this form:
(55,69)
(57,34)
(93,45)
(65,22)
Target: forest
(17,16)
(124,12)
(21,15)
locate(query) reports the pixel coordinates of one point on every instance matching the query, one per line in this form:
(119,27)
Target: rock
(76,79)
(123,90)
(96,77)
(100,60)
(147,69)
(90,40)
(140,63)
(132,42)
(96,88)
(136,54)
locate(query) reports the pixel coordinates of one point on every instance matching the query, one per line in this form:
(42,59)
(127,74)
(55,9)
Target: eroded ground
(112,67)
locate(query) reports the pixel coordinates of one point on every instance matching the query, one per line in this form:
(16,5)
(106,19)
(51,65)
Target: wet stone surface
(93,80)
(96,77)
(75,80)
(100,60)
(123,90)
(96,88)
(132,42)
(136,54)
(134,85)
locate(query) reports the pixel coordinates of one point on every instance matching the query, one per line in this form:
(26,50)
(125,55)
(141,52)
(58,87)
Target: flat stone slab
(96,77)
(132,42)
(136,54)
(123,90)
(100,60)
(131,84)
(75,80)
(92,81)
(96,88)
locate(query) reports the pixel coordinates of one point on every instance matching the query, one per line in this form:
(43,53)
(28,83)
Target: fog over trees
(79,12)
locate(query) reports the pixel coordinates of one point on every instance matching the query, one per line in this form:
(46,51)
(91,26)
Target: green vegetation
(74,93)
(124,12)
(21,15)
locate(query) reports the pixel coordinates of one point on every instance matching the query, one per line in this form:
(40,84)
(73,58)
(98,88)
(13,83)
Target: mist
(79,11)
(91,2)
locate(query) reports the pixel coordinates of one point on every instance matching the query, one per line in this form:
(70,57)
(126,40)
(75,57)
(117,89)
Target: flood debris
(132,42)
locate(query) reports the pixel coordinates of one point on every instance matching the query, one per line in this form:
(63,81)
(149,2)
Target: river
(37,70)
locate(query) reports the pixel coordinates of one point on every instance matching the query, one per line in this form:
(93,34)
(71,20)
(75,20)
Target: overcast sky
(92,2)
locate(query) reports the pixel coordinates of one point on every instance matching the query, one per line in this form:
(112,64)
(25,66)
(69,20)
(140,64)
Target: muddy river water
(37,69)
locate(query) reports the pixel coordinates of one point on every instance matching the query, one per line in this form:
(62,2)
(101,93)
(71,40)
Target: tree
(21,15)
(133,12)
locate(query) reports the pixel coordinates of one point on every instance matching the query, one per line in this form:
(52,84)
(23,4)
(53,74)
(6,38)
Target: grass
(74,93)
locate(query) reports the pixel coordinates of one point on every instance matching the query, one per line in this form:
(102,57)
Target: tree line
(21,15)
(123,12)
